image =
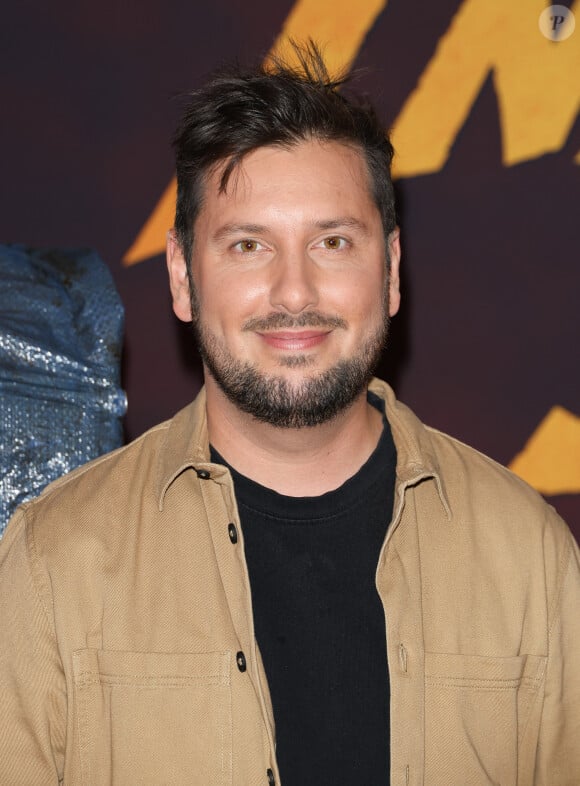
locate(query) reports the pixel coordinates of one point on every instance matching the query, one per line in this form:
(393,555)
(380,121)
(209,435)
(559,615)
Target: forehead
(313,174)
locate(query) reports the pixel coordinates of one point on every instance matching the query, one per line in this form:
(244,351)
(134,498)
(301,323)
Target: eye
(334,243)
(247,246)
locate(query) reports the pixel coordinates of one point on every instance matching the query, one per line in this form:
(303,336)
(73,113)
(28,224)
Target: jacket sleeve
(558,752)
(32,685)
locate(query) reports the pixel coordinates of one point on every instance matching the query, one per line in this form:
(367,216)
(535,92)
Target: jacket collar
(186,445)
(416,455)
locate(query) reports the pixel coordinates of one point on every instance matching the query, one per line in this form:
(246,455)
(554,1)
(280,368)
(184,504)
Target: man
(293,581)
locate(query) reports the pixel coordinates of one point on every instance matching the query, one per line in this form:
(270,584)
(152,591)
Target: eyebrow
(227,230)
(238,229)
(343,221)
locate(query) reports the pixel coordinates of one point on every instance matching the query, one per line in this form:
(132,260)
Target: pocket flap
(483,671)
(150,669)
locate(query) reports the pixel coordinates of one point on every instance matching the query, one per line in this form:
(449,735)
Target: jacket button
(203,474)
(241,661)
(233,533)
(271,778)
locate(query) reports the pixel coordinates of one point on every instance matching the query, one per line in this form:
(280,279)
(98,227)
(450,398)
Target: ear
(178,279)
(394,245)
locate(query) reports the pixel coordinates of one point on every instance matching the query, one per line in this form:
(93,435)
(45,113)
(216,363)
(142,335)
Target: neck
(300,462)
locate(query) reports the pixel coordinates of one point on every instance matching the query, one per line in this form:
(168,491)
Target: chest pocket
(476,713)
(153,718)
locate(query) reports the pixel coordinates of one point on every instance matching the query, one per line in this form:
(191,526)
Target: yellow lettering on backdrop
(550,460)
(339,26)
(536,82)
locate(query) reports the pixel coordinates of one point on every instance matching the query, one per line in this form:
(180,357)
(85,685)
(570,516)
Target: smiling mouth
(294,340)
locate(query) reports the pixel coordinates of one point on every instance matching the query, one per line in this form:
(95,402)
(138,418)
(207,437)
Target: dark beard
(272,399)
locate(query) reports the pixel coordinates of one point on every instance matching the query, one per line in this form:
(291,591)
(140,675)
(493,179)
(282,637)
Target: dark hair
(238,111)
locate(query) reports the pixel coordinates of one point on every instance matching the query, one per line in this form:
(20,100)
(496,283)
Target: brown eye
(248,246)
(333,242)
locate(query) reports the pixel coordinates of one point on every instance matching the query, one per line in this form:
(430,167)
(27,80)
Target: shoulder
(476,489)
(463,468)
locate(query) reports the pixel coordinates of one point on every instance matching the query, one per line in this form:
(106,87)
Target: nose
(294,286)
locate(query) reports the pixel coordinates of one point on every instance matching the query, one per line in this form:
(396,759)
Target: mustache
(278,320)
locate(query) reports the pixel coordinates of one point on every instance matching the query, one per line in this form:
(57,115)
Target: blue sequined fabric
(61,328)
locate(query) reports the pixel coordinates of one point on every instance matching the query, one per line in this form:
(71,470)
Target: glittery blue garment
(61,325)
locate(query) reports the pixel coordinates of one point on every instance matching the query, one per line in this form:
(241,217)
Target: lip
(294,339)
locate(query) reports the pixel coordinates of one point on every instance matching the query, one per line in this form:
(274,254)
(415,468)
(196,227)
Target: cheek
(363,296)
(373,307)
(228,301)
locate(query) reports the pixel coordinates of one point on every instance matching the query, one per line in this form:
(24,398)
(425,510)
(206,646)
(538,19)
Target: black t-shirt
(319,621)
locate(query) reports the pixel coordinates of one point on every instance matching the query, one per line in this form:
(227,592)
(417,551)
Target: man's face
(292,296)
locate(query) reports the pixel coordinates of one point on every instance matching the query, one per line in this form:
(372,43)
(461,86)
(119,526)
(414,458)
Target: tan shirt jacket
(127,651)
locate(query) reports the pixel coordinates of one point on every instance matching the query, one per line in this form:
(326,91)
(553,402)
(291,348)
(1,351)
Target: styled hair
(239,110)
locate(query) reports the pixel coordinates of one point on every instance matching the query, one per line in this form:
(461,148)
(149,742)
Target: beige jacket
(127,652)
